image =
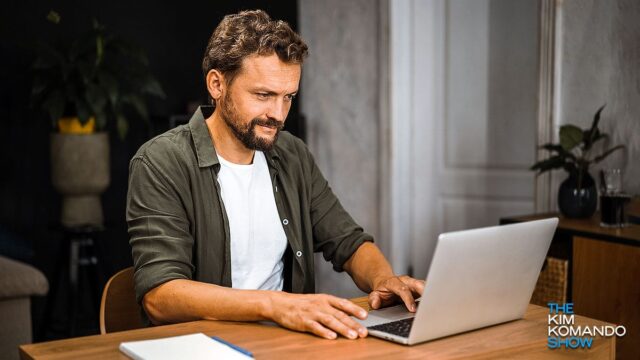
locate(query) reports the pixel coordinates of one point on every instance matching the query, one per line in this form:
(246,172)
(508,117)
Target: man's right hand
(182,300)
(320,314)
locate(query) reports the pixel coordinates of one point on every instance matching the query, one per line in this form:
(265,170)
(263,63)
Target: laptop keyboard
(400,327)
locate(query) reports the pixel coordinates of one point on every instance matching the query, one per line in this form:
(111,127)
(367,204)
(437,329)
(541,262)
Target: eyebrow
(271,92)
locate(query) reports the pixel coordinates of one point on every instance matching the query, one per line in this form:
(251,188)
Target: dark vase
(578,200)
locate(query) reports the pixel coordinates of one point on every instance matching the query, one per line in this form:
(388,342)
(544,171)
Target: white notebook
(194,346)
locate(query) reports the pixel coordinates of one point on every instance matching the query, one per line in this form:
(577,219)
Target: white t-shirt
(258,241)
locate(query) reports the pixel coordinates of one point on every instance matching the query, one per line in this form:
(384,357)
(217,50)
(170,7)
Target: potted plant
(577,195)
(83,85)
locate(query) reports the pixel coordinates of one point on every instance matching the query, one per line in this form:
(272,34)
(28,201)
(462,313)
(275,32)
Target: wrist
(269,304)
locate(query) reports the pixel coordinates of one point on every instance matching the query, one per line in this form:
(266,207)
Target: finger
(416,286)
(315,328)
(374,300)
(348,320)
(334,324)
(348,307)
(402,290)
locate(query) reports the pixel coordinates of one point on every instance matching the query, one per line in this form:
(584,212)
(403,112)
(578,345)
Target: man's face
(258,100)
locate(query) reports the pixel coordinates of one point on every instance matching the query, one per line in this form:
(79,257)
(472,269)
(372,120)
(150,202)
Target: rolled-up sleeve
(160,240)
(335,232)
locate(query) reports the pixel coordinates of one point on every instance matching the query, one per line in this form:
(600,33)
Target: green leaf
(570,136)
(596,117)
(101,120)
(558,149)
(601,157)
(599,137)
(138,104)
(97,26)
(552,147)
(123,126)
(84,111)
(110,85)
(592,133)
(85,70)
(83,47)
(54,105)
(48,57)
(99,50)
(153,87)
(39,85)
(96,98)
(53,17)
(553,162)
(135,53)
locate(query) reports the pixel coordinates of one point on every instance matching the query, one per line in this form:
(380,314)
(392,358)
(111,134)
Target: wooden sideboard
(604,277)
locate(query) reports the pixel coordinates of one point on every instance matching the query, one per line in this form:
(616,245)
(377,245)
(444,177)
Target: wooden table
(604,275)
(519,339)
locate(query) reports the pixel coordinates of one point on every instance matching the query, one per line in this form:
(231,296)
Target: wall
(341,84)
(600,63)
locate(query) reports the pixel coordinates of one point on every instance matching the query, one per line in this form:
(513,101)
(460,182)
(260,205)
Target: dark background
(174,36)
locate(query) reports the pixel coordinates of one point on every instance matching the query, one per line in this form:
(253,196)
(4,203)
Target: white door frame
(413,188)
(549,98)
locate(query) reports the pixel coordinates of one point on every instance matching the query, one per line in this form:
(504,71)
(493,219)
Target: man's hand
(391,289)
(373,274)
(323,315)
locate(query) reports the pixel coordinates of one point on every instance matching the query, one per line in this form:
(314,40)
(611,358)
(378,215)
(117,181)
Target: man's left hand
(392,289)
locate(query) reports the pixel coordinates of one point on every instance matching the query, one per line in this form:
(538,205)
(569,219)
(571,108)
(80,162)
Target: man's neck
(226,143)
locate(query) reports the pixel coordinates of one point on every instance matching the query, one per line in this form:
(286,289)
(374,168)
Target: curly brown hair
(247,33)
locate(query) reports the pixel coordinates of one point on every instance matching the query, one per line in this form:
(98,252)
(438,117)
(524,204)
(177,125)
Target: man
(226,212)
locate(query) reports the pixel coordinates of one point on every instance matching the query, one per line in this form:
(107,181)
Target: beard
(246,133)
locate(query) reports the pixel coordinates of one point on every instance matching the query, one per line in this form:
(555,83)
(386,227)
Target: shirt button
(285,221)
(298,253)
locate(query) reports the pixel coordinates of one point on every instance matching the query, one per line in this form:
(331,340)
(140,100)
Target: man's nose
(277,110)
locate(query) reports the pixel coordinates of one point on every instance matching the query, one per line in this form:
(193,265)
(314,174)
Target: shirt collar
(205,151)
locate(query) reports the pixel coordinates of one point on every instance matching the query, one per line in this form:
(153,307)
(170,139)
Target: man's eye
(290,97)
(262,95)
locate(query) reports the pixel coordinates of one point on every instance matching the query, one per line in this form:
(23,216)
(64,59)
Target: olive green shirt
(178,225)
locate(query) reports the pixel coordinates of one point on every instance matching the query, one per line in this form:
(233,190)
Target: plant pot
(578,200)
(80,173)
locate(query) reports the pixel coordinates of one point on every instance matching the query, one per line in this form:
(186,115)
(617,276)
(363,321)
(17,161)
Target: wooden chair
(552,283)
(119,309)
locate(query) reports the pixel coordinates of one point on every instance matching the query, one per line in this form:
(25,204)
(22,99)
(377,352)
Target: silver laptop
(477,278)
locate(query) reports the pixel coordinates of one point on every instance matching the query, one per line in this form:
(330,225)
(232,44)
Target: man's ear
(215,84)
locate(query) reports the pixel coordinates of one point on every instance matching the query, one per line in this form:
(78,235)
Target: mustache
(268,122)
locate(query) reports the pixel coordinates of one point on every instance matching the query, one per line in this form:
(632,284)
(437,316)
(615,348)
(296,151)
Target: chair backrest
(119,309)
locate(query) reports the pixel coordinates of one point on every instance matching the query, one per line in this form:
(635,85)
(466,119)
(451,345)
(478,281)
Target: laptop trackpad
(393,313)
